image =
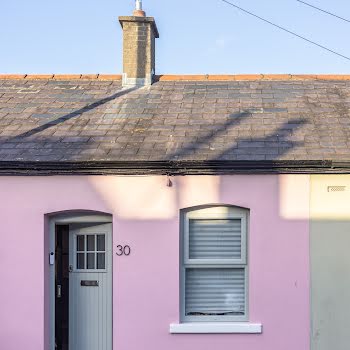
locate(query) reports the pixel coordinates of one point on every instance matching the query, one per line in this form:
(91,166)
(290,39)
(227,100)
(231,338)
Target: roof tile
(233,118)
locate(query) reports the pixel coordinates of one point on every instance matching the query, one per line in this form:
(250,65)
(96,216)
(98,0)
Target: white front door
(90,286)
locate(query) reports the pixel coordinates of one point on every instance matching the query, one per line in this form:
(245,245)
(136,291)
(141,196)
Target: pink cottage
(160,212)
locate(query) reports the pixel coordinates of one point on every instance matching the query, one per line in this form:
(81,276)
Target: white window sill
(239,327)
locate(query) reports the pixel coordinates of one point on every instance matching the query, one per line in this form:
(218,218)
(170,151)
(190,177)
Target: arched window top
(74,216)
(215,211)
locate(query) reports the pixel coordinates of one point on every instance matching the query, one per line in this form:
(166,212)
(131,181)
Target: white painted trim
(206,328)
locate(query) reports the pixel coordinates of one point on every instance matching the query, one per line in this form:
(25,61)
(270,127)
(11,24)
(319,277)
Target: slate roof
(96,120)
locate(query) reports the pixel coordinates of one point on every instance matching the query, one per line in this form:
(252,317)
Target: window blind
(215,239)
(215,291)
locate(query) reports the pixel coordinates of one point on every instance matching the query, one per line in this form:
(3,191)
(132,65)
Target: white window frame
(220,212)
(85,251)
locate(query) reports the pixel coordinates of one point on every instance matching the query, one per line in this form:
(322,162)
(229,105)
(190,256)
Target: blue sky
(196,37)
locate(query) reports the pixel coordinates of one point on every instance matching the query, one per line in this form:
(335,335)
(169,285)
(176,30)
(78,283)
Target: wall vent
(336,188)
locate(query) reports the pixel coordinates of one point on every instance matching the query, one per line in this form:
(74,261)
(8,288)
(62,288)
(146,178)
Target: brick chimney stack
(139,34)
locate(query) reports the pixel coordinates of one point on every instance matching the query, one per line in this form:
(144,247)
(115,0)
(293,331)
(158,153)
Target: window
(90,252)
(214,264)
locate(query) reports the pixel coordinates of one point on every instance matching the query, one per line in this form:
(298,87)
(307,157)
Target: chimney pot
(138,12)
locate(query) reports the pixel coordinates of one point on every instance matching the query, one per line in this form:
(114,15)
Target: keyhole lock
(59,291)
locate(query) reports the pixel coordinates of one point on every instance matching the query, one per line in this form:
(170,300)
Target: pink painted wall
(146,284)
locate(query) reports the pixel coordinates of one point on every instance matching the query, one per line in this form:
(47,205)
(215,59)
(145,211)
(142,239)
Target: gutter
(172,168)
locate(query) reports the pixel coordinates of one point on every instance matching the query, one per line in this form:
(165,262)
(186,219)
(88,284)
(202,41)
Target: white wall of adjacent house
(330,261)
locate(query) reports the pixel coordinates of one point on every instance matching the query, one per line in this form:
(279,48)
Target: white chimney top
(138,6)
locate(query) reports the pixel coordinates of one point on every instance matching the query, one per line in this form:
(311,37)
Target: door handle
(59,291)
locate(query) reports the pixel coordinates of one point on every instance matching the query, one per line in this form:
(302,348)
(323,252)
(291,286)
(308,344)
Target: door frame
(72,217)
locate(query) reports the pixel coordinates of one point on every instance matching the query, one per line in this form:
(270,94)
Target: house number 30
(123,250)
